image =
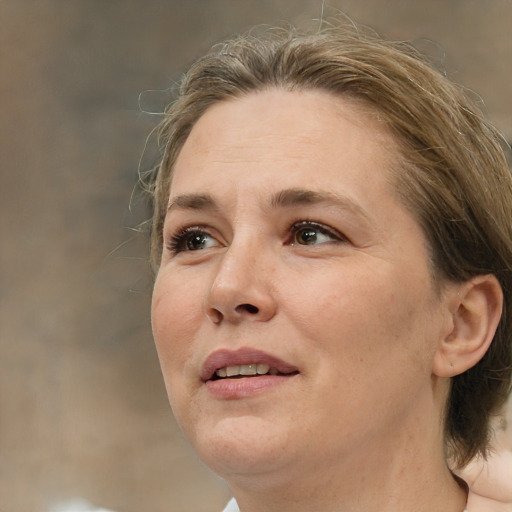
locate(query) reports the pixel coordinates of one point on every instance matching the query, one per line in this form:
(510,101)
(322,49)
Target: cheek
(360,316)
(175,317)
(175,310)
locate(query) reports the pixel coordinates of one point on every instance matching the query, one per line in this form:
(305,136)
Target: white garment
(232,506)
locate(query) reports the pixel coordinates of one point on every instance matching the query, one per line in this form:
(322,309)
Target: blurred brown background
(83,412)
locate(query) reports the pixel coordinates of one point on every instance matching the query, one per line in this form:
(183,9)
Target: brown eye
(191,239)
(306,236)
(196,242)
(311,233)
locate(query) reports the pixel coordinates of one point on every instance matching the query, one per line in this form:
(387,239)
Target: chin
(243,445)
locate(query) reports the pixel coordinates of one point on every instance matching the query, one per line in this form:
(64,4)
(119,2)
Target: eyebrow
(298,196)
(283,199)
(193,202)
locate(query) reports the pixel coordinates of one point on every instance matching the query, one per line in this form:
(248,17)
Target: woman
(333,252)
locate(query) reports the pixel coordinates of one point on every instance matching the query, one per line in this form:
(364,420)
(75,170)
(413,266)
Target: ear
(476,307)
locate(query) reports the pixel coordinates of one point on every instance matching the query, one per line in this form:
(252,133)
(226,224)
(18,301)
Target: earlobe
(477,307)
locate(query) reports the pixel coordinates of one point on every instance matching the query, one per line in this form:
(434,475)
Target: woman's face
(288,258)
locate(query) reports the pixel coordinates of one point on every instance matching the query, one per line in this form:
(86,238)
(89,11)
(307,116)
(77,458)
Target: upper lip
(224,357)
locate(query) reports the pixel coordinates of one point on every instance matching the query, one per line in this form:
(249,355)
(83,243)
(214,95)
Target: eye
(312,233)
(193,238)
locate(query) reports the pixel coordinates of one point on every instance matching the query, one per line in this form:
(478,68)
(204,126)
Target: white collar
(232,506)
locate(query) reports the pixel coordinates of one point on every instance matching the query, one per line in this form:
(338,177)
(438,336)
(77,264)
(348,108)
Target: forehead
(285,137)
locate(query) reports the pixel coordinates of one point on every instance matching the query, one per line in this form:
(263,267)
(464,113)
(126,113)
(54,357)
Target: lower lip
(245,387)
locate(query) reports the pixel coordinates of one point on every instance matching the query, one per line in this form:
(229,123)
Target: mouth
(248,370)
(244,364)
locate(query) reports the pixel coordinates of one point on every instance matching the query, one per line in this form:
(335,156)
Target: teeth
(232,371)
(245,369)
(262,369)
(248,369)
(221,373)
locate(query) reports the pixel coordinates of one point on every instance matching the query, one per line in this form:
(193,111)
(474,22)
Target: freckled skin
(358,316)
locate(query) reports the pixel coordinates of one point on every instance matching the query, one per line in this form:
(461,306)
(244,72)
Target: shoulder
(490,483)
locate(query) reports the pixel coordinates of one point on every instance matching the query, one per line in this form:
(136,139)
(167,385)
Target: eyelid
(334,233)
(175,237)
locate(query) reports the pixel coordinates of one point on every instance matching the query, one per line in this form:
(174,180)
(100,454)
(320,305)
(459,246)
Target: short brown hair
(452,172)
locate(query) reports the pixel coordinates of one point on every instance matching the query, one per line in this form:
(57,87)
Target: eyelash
(177,242)
(321,228)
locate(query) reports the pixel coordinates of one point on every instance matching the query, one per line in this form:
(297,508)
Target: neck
(380,485)
(404,470)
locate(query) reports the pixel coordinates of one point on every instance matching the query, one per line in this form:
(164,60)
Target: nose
(242,287)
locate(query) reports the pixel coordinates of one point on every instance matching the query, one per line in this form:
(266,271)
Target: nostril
(215,315)
(247,307)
